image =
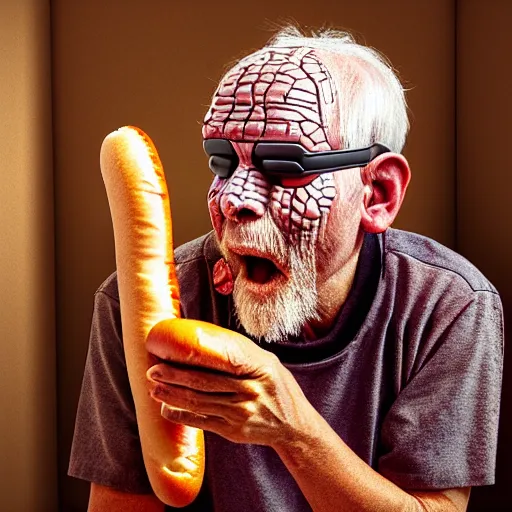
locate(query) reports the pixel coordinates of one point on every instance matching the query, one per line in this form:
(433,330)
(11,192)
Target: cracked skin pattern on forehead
(275,94)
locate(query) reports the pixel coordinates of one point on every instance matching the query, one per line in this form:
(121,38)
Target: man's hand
(255,399)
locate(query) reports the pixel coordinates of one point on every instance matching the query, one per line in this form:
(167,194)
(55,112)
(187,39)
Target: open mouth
(260,270)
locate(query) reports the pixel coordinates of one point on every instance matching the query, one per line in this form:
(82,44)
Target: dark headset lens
(222,166)
(223,158)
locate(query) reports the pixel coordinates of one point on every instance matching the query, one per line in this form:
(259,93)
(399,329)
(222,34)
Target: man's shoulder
(422,253)
(187,257)
(109,287)
(201,248)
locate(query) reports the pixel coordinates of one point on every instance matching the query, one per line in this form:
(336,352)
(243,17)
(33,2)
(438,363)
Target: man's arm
(431,502)
(332,477)
(107,499)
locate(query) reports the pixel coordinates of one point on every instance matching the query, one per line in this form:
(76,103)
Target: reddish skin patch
(222,277)
(272,95)
(276,94)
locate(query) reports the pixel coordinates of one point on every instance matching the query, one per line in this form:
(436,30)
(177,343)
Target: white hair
(371,98)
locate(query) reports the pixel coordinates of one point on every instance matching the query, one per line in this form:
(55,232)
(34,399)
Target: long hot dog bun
(205,345)
(139,205)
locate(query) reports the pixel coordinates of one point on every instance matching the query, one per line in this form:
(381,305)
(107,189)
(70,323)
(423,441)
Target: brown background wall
(155,64)
(484,111)
(28,440)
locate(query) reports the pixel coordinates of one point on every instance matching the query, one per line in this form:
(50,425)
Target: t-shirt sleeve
(106,447)
(441,432)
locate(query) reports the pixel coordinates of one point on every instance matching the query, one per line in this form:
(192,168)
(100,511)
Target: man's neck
(332,294)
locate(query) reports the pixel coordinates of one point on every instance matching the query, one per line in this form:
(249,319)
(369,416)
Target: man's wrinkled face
(282,239)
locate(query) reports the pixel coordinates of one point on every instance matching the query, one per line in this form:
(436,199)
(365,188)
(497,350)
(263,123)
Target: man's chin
(272,311)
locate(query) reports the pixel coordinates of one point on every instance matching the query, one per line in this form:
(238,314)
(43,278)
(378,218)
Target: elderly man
(384,394)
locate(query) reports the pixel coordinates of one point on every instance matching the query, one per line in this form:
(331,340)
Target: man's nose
(246,197)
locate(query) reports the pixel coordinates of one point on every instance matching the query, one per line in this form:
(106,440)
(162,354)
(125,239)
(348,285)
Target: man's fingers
(184,417)
(204,380)
(223,406)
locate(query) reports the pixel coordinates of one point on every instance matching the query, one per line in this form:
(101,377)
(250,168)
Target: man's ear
(385,181)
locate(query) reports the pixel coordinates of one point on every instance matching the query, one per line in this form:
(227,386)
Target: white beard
(283,313)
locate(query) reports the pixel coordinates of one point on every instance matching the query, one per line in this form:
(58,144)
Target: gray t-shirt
(409,377)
